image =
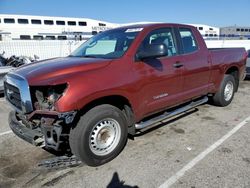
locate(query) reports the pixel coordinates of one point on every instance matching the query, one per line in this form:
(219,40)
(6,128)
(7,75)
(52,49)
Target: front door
(161,81)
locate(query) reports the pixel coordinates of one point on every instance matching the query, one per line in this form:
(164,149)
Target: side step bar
(167,115)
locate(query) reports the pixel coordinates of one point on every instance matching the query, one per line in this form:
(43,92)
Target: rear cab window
(188,41)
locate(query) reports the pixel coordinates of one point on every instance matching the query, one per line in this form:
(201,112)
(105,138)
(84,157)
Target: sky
(218,13)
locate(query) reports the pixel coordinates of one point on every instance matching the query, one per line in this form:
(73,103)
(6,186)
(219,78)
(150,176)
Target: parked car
(8,64)
(248,65)
(118,82)
(3,71)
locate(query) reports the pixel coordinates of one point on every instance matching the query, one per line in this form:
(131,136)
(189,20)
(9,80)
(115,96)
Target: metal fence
(43,49)
(49,49)
(228,44)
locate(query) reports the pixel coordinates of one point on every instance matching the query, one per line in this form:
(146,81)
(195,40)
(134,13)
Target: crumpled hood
(58,70)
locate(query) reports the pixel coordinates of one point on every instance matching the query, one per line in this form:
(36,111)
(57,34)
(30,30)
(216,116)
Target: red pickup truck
(118,82)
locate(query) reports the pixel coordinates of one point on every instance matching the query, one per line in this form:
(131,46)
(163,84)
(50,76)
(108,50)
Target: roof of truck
(147,25)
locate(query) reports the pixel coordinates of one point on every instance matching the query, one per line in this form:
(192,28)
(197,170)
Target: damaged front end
(36,118)
(43,128)
(45,97)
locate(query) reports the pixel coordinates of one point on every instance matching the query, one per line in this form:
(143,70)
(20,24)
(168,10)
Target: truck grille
(17,93)
(12,94)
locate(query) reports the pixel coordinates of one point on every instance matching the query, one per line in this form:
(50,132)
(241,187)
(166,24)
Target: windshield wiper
(87,56)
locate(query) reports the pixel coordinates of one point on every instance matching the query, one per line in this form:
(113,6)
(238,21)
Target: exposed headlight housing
(45,97)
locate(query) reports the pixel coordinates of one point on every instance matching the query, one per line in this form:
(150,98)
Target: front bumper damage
(32,136)
(50,132)
(33,119)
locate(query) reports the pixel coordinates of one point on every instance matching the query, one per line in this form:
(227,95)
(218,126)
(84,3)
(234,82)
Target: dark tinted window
(60,22)
(25,37)
(23,21)
(200,28)
(9,20)
(62,38)
(102,24)
(50,37)
(94,32)
(211,29)
(82,23)
(48,22)
(36,21)
(188,40)
(242,30)
(237,29)
(246,30)
(71,23)
(38,37)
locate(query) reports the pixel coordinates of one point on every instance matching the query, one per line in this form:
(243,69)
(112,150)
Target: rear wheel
(226,92)
(100,135)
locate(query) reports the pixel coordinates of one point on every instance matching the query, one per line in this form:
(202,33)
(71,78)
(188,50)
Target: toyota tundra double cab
(117,83)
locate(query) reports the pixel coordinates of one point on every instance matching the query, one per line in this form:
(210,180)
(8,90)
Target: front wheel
(226,91)
(99,136)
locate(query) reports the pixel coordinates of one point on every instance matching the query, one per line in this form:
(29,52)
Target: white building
(208,32)
(23,27)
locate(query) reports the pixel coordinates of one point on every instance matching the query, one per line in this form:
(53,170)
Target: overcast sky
(210,12)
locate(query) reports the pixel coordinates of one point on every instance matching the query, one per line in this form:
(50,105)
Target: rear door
(196,64)
(161,80)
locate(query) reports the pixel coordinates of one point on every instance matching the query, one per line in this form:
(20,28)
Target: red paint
(90,79)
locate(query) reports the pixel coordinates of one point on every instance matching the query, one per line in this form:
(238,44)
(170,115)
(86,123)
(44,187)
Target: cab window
(160,36)
(188,41)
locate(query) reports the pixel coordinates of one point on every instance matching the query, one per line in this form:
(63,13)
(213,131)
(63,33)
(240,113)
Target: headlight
(46,96)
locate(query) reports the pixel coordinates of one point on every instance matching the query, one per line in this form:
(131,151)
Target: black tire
(80,139)
(220,99)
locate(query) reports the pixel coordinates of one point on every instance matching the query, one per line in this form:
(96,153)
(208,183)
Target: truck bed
(224,56)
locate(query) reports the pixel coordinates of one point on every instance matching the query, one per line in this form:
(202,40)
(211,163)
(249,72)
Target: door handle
(178,64)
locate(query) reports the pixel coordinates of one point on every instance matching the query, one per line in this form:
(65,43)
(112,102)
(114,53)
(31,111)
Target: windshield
(109,45)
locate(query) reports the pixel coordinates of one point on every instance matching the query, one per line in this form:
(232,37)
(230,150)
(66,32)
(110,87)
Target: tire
(99,136)
(226,91)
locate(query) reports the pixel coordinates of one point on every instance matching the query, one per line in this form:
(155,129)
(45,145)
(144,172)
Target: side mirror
(153,51)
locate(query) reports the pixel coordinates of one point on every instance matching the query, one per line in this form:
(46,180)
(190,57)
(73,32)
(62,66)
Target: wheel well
(234,71)
(115,100)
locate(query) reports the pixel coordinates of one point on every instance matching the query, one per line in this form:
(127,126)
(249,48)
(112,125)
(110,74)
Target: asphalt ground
(207,147)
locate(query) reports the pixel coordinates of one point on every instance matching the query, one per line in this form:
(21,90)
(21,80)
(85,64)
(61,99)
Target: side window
(161,36)
(188,40)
